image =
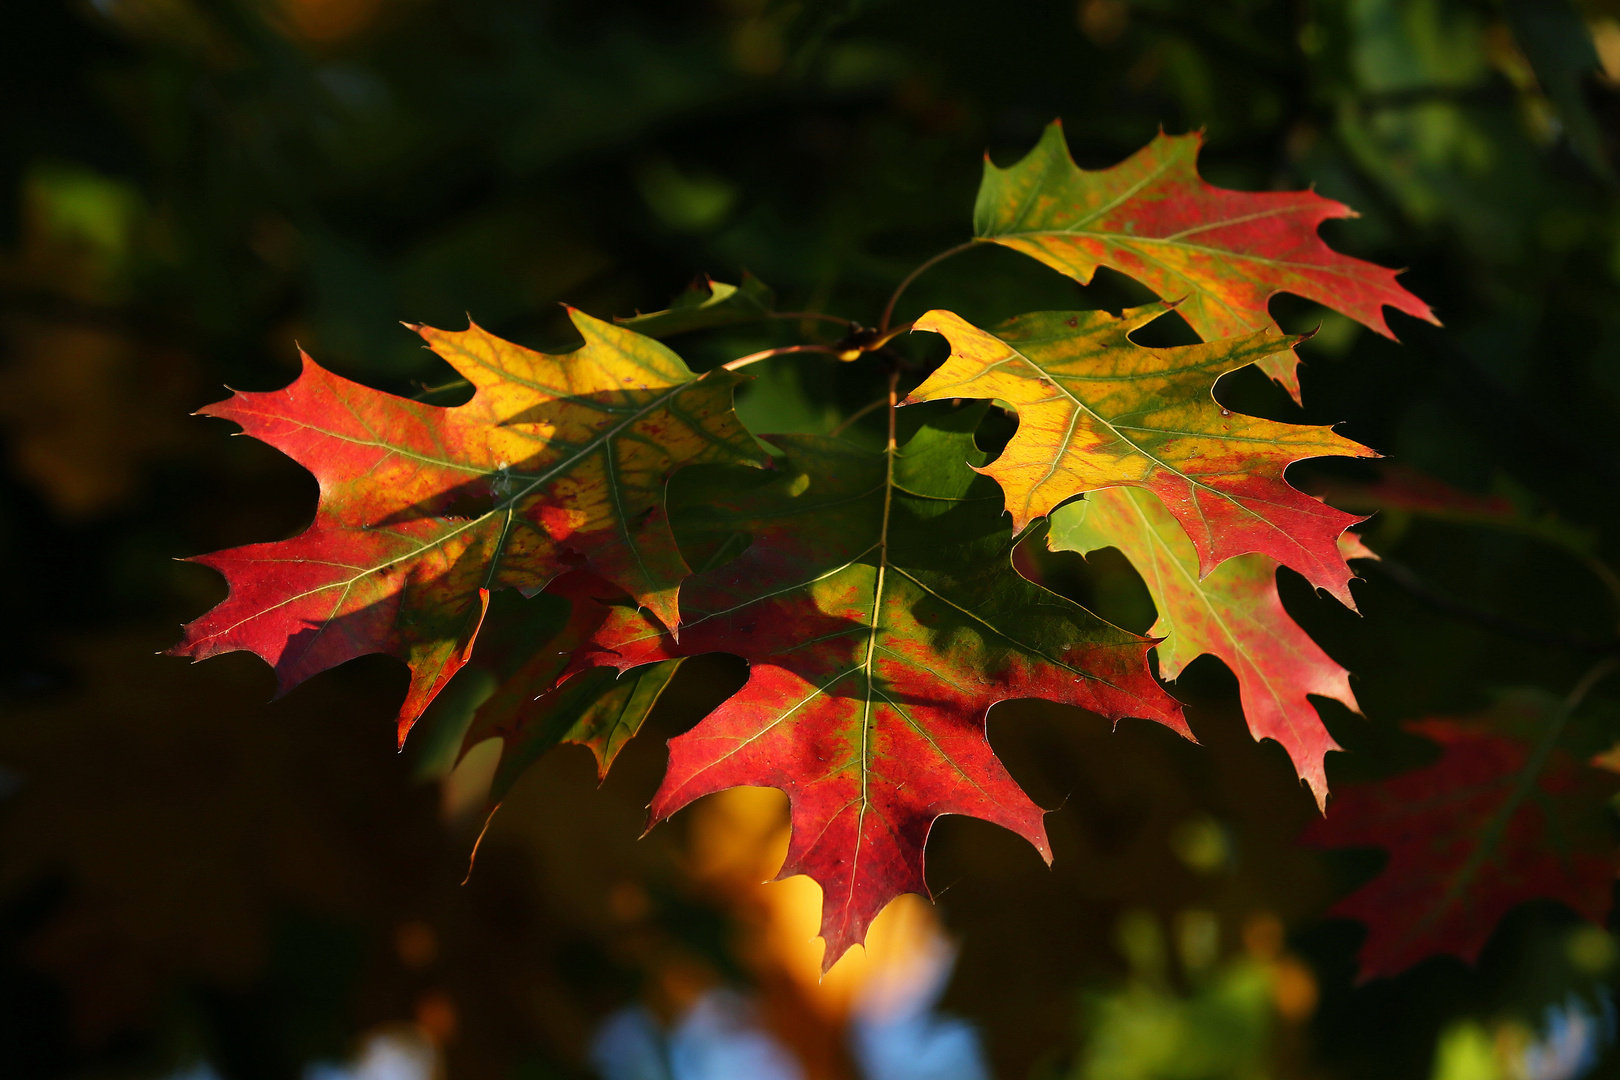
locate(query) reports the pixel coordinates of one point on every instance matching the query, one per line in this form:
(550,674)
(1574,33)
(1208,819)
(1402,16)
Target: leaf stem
(865,410)
(888,336)
(1604,573)
(428,391)
(800,316)
(894,405)
(1594,675)
(785,350)
(888,309)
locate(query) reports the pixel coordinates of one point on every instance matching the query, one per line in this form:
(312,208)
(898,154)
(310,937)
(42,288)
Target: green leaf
(598,709)
(543,703)
(704,305)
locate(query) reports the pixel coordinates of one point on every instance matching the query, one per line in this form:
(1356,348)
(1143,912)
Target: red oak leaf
(1227,253)
(1096,410)
(876,651)
(1234,613)
(1492,824)
(555,461)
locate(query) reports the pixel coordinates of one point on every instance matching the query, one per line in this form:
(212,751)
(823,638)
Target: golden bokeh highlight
(738,840)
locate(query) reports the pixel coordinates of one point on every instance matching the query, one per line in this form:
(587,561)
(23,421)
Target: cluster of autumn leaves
(872,592)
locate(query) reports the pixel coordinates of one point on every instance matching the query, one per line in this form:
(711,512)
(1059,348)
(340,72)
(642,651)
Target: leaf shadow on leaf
(465,502)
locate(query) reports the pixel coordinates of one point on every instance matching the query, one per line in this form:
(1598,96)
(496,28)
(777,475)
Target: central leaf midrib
(1082,407)
(890,451)
(1122,239)
(1004,635)
(1156,542)
(1158,170)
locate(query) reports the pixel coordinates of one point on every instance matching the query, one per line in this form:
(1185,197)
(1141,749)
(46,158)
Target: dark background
(189,187)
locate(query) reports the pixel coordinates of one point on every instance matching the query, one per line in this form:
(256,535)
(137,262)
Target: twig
(893,401)
(888,309)
(802,315)
(864,411)
(1594,675)
(766,354)
(428,391)
(889,335)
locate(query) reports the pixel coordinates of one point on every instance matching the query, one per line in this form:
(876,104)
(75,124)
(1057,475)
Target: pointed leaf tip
(889,673)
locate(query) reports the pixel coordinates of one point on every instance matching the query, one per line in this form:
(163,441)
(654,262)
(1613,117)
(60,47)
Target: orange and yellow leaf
(1096,410)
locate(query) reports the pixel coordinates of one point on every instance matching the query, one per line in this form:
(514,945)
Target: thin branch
(893,402)
(802,315)
(888,336)
(1421,591)
(1596,674)
(472,856)
(785,350)
(888,309)
(859,414)
(1602,571)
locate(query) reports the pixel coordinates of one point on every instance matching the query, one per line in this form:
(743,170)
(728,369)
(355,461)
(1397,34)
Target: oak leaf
(1490,825)
(1153,218)
(1234,614)
(556,461)
(1096,410)
(876,647)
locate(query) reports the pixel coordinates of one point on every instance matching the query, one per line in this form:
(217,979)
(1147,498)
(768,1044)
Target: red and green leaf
(876,650)
(1233,614)
(557,461)
(1096,410)
(1223,254)
(1490,825)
